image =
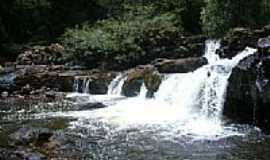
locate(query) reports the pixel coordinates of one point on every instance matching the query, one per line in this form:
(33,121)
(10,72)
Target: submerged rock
(264,42)
(89,106)
(183,65)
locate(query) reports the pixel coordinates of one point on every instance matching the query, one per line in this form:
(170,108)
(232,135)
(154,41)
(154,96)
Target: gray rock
(4,94)
(264,42)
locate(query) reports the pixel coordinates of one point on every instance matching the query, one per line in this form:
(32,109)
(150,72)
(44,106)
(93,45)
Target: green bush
(220,16)
(120,40)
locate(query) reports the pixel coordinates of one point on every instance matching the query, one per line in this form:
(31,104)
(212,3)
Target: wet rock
(7,82)
(100,82)
(79,98)
(4,94)
(89,106)
(248,92)
(183,65)
(136,77)
(25,136)
(241,92)
(264,42)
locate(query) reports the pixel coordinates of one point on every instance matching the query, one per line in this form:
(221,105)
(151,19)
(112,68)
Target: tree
(218,16)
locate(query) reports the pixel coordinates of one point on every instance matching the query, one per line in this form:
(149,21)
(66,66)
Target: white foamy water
(185,104)
(115,87)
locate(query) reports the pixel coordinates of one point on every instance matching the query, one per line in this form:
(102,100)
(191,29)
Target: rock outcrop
(137,76)
(182,65)
(238,39)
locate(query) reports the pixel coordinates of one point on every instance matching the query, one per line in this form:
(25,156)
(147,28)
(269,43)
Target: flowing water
(183,121)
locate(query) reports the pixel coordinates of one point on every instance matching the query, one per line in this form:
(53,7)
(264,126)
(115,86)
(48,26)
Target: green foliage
(264,12)
(214,18)
(118,39)
(219,16)
(35,20)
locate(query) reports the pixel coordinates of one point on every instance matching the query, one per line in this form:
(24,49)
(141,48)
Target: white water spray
(115,87)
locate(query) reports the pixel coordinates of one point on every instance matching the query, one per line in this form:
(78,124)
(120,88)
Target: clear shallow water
(143,142)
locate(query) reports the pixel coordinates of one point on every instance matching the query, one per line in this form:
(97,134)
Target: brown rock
(182,65)
(137,76)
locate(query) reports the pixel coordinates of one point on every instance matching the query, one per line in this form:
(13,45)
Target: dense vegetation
(118,27)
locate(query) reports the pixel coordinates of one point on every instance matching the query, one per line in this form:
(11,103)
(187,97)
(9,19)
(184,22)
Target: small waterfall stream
(81,85)
(187,103)
(115,87)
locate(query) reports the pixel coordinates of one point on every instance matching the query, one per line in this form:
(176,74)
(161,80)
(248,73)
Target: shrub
(121,40)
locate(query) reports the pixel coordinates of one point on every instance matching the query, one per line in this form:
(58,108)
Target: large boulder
(241,91)
(248,92)
(139,75)
(182,65)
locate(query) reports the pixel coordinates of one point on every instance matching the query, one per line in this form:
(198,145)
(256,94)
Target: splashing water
(81,84)
(185,104)
(115,87)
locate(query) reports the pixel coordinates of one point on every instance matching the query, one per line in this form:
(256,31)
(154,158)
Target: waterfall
(81,85)
(187,103)
(76,85)
(202,91)
(115,87)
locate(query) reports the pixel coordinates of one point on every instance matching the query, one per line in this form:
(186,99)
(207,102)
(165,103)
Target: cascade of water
(143,91)
(76,85)
(202,91)
(192,102)
(81,84)
(85,86)
(115,87)
(210,51)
